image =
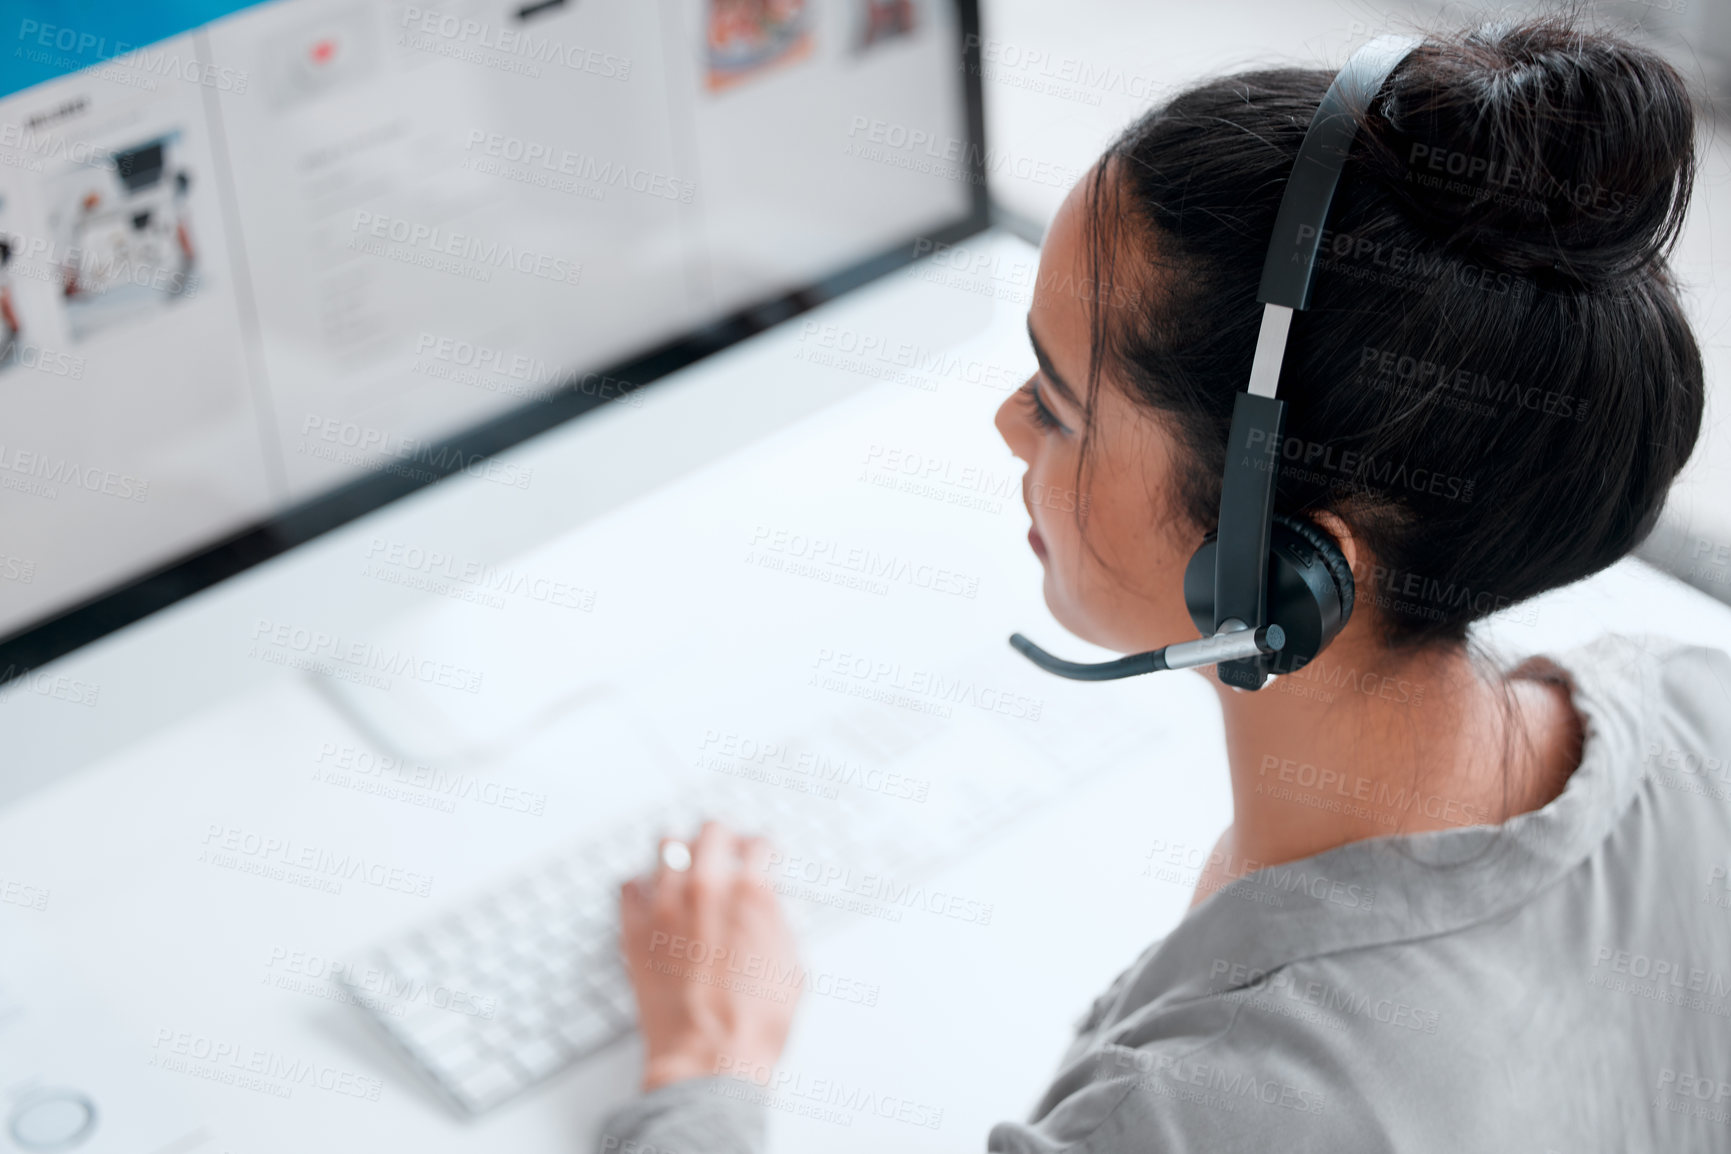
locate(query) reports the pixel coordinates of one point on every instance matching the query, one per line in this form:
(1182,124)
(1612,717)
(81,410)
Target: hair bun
(1542,149)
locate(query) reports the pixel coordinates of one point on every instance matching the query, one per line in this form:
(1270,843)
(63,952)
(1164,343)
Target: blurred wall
(1061,79)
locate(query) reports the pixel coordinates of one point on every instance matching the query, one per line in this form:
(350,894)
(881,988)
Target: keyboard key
(457,1054)
(587,1029)
(430,1028)
(404,963)
(538,1057)
(487,1085)
(530,1019)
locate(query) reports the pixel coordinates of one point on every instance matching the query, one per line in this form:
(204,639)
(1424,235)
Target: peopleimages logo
(1327,786)
(1400,267)
(869,564)
(921,150)
(46,472)
(822,1099)
(1227,974)
(1663,972)
(876,349)
(1423,377)
(579,166)
(14,681)
(349,443)
(1688,762)
(379,987)
(460,32)
(1214,1084)
(1436,598)
(1427,165)
(226,843)
(1701,1086)
(1067,77)
(52,146)
(55,364)
(439,565)
(1350,469)
(37,40)
(724,749)
(253,1068)
(462,246)
(39,258)
(302,647)
(844,671)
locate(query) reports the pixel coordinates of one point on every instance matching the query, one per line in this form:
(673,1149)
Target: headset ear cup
(1310,590)
(1199,586)
(1328,550)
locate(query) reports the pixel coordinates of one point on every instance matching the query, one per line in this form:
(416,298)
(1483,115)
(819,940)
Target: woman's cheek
(1067,561)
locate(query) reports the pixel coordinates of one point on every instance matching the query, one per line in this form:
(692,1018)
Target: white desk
(654,511)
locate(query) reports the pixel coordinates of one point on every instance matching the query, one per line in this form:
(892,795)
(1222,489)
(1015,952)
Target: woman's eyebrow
(1057,382)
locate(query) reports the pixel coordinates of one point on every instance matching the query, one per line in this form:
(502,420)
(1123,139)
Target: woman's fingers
(714,857)
(714,913)
(754,856)
(633,912)
(715,863)
(667,892)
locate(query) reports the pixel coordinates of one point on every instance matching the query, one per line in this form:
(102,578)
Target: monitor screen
(278,266)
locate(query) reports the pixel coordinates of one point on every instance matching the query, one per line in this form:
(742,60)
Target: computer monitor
(289,261)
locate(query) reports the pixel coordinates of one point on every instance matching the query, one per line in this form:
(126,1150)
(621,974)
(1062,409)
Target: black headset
(1266,591)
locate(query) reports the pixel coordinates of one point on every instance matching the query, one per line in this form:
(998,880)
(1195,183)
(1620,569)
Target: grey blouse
(1561,982)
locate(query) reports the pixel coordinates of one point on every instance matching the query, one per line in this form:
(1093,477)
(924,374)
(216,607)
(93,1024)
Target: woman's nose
(1014,429)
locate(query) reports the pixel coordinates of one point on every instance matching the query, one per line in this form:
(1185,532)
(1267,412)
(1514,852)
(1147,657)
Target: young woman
(1509,937)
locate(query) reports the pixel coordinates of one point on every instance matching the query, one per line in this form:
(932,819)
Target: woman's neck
(1359,745)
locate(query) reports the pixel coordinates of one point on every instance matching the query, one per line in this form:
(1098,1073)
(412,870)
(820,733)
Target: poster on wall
(880,21)
(750,37)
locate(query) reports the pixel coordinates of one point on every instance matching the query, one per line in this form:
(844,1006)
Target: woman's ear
(1342,535)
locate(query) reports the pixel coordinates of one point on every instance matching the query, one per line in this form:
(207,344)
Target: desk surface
(866,424)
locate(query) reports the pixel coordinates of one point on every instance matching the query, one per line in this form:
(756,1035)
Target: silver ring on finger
(676,856)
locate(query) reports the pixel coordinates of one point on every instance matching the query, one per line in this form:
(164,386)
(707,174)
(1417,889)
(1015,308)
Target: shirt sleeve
(718,1115)
(1075,1120)
(1193,1094)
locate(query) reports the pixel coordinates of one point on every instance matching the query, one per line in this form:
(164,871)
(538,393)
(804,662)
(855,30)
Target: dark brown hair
(1495,384)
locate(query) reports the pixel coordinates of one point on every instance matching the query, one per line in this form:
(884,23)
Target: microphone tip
(1276,638)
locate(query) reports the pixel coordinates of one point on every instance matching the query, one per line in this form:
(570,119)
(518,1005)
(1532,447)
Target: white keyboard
(526,978)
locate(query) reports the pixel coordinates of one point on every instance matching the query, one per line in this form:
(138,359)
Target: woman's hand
(712,961)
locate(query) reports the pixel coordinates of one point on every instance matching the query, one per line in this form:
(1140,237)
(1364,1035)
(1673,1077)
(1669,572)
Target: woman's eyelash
(1043,416)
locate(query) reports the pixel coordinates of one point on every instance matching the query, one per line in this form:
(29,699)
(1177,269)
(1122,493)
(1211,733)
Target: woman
(1506,939)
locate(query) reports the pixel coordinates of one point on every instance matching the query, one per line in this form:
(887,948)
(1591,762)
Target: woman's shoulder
(1402,1047)
(1663,705)
(1661,666)
(1220,1073)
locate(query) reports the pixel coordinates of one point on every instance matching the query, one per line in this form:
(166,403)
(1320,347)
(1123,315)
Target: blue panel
(42,39)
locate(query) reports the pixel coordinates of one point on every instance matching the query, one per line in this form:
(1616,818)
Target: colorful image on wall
(122,235)
(876,21)
(746,37)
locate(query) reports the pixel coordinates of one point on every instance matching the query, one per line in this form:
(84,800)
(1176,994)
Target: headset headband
(1258,418)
